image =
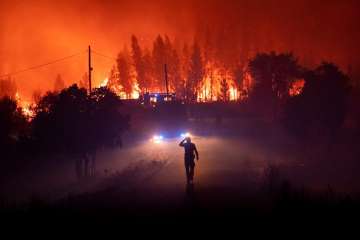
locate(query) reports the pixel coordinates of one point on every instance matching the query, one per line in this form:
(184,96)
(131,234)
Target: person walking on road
(189,157)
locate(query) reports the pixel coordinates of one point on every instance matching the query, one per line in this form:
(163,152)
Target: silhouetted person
(190,152)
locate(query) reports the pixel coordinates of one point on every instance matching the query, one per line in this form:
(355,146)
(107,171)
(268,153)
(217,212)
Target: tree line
(71,121)
(145,68)
(199,70)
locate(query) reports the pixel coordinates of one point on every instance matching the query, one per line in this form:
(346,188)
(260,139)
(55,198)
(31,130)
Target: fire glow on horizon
(224,29)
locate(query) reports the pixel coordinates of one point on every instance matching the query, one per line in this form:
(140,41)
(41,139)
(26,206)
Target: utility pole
(166,80)
(90,69)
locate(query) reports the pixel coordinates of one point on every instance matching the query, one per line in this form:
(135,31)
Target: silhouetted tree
(172,62)
(176,81)
(12,123)
(185,62)
(59,83)
(138,61)
(321,107)
(149,70)
(162,54)
(61,115)
(273,74)
(159,60)
(113,80)
(77,124)
(239,79)
(123,65)
(108,121)
(195,74)
(224,91)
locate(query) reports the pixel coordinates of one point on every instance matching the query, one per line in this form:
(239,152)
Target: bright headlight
(157,138)
(184,135)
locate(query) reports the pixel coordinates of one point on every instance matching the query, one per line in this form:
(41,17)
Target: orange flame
(297,87)
(27,108)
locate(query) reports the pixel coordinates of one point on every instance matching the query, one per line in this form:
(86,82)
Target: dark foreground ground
(242,178)
(188,208)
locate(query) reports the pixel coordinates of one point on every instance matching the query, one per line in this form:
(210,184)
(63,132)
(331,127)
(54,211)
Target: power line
(42,65)
(103,55)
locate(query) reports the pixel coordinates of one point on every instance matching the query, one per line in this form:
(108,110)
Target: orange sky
(34,32)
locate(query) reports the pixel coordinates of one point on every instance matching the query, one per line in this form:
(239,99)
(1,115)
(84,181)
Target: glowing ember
(297,87)
(28,110)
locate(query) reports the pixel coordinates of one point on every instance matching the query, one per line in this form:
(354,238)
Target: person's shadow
(190,198)
(190,190)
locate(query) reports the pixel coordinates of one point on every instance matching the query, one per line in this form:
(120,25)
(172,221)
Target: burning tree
(224,91)
(239,80)
(148,69)
(192,74)
(113,80)
(184,62)
(159,60)
(176,81)
(139,64)
(123,65)
(195,74)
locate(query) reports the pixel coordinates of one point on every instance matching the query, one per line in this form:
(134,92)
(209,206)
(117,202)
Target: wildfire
(233,94)
(135,94)
(136,91)
(297,87)
(26,107)
(104,82)
(28,110)
(210,88)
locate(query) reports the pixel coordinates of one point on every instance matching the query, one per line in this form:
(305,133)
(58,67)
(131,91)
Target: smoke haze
(36,32)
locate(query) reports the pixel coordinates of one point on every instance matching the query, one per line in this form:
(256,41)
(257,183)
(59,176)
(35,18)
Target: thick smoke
(34,32)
